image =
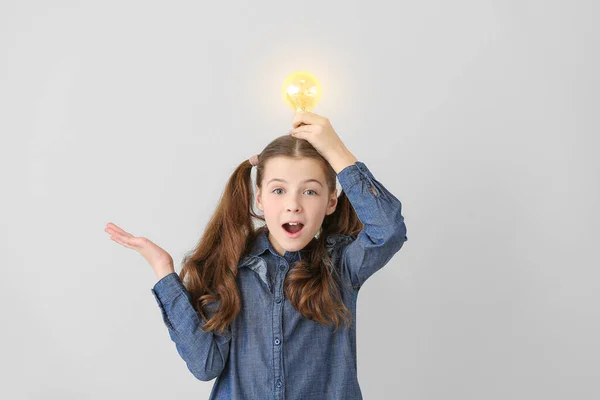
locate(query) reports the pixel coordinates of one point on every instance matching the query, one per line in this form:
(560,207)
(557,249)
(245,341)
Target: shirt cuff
(167,288)
(352,174)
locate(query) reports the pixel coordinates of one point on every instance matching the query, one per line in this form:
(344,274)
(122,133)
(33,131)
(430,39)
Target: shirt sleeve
(384,230)
(205,353)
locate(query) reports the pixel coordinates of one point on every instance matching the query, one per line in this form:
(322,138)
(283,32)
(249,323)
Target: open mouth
(293,229)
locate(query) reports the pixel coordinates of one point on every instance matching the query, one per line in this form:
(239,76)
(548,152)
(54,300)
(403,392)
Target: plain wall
(480,116)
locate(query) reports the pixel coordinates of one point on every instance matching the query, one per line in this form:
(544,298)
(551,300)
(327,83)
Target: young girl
(270,312)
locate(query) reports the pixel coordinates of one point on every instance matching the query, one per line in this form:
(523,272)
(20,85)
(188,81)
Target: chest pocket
(259,266)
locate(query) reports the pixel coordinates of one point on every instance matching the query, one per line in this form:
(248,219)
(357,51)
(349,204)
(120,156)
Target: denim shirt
(270,350)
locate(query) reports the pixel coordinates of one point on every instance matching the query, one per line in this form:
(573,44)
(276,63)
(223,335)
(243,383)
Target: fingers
(117,232)
(123,241)
(120,236)
(305,117)
(115,228)
(301,131)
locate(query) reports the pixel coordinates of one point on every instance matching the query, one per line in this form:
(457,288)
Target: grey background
(480,116)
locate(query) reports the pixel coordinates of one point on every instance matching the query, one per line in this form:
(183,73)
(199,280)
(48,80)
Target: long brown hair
(311,285)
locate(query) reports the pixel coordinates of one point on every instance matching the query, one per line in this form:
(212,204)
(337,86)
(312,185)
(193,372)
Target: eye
(307,190)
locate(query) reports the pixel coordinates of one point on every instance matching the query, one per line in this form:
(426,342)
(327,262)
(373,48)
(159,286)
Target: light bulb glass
(301,91)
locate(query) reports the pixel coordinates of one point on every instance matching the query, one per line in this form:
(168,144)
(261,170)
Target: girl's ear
(332,203)
(259,200)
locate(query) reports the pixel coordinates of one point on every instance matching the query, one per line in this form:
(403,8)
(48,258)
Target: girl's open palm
(159,259)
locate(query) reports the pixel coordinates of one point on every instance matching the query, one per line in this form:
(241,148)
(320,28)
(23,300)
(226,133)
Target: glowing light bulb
(301,91)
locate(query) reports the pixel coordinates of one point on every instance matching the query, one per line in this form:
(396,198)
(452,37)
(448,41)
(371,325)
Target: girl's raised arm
(380,212)
(384,230)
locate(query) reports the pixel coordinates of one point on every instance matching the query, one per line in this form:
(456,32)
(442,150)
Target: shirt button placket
(278,331)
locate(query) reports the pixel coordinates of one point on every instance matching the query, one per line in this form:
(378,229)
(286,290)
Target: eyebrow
(308,180)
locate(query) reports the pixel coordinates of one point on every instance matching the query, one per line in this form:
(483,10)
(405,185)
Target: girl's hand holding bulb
(159,259)
(319,132)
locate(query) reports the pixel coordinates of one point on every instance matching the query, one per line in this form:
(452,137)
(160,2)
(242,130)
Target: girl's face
(294,190)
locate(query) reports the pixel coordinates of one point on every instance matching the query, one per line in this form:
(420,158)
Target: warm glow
(301,91)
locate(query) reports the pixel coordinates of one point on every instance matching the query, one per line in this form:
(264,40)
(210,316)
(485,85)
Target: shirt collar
(262,244)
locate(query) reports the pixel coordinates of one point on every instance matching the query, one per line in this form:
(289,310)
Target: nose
(293,209)
(293,204)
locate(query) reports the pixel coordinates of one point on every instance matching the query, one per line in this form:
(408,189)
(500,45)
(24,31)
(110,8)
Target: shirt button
(278,383)
(277,341)
(278,299)
(282,267)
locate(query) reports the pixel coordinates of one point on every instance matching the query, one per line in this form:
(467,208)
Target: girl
(270,312)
